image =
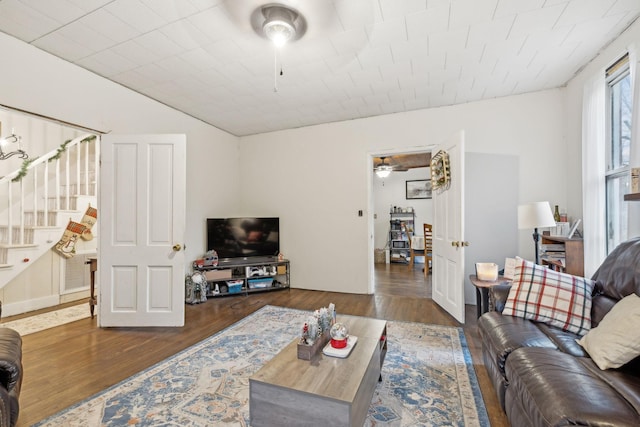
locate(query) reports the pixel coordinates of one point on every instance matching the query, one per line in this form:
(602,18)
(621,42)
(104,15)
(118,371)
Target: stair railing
(30,201)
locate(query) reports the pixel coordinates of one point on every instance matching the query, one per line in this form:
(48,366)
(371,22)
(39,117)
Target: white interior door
(448,233)
(142,201)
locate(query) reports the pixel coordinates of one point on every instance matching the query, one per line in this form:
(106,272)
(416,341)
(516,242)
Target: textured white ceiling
(359,58)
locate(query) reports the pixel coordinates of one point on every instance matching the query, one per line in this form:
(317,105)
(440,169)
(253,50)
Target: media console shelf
(242,277)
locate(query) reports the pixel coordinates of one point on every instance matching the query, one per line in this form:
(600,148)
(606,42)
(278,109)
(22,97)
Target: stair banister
(34,197)
(67,175)
(45,189)
(41,164)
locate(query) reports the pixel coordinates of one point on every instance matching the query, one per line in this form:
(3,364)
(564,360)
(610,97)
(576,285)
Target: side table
(482,291)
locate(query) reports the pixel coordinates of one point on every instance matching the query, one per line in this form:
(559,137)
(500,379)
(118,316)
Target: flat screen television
(248,238)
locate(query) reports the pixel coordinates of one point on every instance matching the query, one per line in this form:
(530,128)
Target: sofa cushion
(565,341)
(619,274)
(551,388)
(616,340)
(600,306)
(503,334)
(552,297)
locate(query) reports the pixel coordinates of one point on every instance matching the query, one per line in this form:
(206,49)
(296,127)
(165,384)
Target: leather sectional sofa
(10,376)
(543,377)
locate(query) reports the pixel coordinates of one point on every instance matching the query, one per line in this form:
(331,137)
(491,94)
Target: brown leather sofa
(10,376)
(543,377)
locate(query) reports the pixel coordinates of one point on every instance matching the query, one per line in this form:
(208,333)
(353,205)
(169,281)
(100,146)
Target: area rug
(40,322)
(428,379)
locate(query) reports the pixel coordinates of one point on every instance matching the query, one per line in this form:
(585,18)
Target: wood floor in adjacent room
(66,364)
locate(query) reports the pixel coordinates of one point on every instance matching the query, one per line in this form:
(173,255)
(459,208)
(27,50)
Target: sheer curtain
(593,170)
(633,226)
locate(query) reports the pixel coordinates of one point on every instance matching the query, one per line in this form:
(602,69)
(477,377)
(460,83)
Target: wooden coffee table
(325,391)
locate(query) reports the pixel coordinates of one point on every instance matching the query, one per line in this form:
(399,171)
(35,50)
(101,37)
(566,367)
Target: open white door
(142,201)
(448,232)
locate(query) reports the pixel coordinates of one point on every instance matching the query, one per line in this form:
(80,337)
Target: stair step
(25,246)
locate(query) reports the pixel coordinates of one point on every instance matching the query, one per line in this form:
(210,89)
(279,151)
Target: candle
(487,271)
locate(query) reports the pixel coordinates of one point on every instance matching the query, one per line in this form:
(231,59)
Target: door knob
(455,243)
(465,243)
(177,247)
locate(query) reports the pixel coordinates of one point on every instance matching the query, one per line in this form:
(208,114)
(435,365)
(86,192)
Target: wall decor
(440,172)
(419,189)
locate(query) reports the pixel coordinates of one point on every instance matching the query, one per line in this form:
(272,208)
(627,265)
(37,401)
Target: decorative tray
(340,352)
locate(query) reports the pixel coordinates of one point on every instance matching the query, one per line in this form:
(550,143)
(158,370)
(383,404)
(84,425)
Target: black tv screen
(243,237)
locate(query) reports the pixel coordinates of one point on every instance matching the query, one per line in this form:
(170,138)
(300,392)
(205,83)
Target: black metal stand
(536,239)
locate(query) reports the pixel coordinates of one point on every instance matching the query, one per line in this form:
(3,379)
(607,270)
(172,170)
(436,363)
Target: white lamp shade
(535,215)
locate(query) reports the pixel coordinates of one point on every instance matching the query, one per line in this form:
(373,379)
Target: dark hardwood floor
(68,363)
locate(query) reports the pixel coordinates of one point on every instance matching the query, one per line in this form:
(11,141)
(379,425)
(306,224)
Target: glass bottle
(563,216)
(556,214)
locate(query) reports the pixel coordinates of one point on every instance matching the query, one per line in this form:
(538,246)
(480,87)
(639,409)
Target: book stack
(553,253)
(561,229)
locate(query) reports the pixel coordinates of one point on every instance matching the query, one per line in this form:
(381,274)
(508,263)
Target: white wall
(391,191)
(491,225)
(40,83)
(316,178)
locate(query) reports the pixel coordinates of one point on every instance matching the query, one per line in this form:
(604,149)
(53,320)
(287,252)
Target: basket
(307,352)
(235,286)
(260,283)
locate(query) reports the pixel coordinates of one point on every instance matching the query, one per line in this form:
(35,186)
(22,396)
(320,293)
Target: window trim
(613,75)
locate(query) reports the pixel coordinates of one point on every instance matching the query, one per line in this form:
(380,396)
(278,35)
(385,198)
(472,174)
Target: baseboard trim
(74,296)
(29,305)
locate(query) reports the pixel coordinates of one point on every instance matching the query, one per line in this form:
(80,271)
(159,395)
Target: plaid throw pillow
(548,296)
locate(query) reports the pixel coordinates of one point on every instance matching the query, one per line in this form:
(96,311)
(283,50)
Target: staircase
(39,200)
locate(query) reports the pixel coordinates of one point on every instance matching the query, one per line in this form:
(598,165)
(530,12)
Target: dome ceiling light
(383,170)
(279,25)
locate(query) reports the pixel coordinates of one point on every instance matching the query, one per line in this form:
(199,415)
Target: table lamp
(535,215)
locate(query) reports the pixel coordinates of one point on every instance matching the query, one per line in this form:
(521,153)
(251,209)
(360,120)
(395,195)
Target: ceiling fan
(383,169)
(309,19)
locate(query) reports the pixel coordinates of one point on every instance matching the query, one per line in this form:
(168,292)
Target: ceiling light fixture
(13,138)
(279,25)
(383,170)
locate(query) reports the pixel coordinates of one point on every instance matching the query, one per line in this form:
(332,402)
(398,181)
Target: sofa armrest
(498,296)
(10,359)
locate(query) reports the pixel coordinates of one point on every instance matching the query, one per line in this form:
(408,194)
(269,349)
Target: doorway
(391,273)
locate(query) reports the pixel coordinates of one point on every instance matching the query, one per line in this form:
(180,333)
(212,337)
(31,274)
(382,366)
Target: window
(618,150)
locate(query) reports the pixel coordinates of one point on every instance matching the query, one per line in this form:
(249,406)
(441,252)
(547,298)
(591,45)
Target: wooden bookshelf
(572,254)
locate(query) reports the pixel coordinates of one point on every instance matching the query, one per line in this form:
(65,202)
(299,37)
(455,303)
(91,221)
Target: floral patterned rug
(428,379)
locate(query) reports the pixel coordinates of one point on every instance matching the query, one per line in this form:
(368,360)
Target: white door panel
(448,233)
(143,202)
